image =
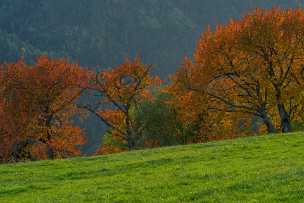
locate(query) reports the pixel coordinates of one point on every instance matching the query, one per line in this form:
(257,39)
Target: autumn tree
(121,90)
(37,104)
(254,65)
(5,135)
(200,114)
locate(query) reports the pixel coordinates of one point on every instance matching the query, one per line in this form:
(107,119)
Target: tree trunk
(130,140)
(50,152)
(131,136)
(285,119)
(268,123)
(263,114)
(284,115)
(131,144)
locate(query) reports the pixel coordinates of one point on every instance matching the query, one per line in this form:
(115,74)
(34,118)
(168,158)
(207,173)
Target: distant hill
(103,32)
(255,169)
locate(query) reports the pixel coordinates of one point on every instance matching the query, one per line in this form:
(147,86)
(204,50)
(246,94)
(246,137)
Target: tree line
(244,78)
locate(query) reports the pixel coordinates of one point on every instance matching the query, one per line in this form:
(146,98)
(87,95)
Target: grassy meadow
(256,169)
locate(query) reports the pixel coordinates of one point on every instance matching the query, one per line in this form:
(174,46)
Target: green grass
(256,169)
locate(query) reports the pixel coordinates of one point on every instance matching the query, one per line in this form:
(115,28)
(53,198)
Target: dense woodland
(241,78)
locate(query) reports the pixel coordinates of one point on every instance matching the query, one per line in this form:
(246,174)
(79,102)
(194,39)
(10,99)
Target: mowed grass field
(256,169)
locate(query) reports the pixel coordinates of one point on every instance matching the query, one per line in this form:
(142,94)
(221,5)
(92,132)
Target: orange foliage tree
(122,89)
(253,66)
(36,109)
(199,112)
(5,134)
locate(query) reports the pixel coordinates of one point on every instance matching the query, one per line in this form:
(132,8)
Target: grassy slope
(256,169)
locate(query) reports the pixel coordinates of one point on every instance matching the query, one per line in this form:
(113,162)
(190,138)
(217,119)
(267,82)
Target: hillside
(103,32)
(256,169)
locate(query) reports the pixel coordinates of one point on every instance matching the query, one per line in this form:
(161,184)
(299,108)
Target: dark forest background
(101,33)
